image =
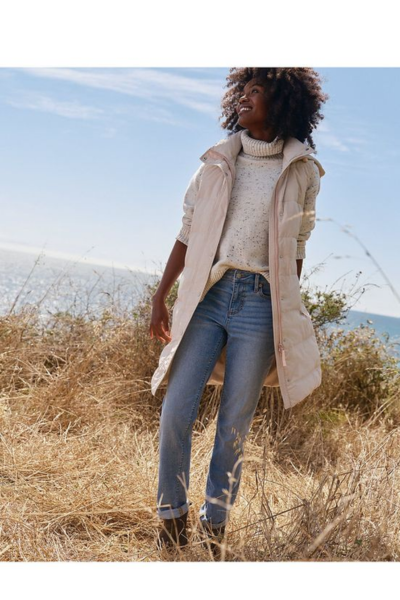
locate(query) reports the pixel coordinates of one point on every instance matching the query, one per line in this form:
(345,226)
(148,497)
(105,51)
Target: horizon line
(17,247)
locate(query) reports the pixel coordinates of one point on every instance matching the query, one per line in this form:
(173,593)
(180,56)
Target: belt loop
(256,281)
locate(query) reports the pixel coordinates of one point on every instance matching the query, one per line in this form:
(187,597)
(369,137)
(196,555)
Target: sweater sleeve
(308,219)
(189,204)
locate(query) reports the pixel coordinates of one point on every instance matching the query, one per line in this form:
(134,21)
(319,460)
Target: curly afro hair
(295,98)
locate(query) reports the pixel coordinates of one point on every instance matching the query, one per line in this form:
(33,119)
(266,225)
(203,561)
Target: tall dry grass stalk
(79,449)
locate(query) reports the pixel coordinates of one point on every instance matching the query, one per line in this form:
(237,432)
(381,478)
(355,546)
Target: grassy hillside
(79,447)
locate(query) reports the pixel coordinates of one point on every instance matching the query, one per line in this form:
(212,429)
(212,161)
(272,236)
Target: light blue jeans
(237,312)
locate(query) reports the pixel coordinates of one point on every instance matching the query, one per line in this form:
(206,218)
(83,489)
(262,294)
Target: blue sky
(95,162)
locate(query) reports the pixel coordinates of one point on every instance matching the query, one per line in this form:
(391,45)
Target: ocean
(380,323)
(58,285)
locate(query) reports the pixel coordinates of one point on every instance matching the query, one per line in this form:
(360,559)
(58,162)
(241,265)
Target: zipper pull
(282,351)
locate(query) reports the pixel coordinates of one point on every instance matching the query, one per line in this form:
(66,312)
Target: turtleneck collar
(260,148)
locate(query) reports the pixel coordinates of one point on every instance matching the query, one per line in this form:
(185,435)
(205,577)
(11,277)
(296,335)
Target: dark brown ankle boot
(173,532)
(213,538)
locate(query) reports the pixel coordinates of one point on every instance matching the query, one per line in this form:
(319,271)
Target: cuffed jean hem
(214,526)
(203,518)
(173,513)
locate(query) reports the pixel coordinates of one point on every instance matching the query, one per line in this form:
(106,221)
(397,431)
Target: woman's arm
(189,202)
(159,325)
(308,219)
(173,269)
(176,261)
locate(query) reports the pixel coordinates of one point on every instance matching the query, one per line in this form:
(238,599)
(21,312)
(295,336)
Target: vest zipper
(281,347)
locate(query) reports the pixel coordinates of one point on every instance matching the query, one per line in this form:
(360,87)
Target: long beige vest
(296,368)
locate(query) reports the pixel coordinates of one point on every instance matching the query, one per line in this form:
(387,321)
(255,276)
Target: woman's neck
(265,135)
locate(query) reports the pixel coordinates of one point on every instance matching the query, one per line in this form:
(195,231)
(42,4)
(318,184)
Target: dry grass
(79,451)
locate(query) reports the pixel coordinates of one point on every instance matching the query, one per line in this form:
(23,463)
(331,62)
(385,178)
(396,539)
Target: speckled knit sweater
(244,242)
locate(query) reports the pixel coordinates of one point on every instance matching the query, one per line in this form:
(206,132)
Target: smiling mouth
(244,109)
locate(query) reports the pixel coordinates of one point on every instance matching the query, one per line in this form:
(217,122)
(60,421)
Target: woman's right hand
(159,320)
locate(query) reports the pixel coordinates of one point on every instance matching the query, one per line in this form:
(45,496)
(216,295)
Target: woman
(248,211)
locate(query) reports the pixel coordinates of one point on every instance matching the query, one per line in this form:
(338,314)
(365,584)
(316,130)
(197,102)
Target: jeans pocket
(264,289)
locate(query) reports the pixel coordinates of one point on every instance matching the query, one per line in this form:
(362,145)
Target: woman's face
(252,107)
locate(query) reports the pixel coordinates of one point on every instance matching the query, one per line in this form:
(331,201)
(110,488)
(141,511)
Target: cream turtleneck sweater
(244,242)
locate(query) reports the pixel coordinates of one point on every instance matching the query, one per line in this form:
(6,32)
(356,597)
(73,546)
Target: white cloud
(71,110)
(151,112)
(328,139)
(199,94)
